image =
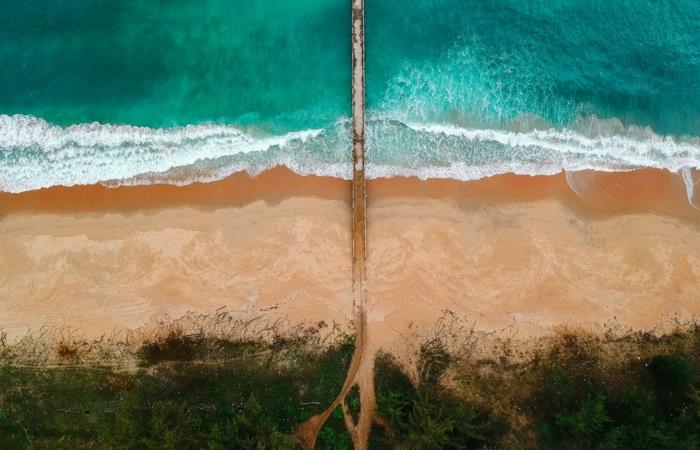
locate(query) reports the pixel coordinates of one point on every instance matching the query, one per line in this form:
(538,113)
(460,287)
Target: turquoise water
(139,92)
(489,62)
(280,64)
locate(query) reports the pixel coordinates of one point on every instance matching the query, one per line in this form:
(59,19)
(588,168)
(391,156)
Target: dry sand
(510,254)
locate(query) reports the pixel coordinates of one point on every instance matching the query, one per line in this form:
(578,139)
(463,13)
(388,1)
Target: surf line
(361,368)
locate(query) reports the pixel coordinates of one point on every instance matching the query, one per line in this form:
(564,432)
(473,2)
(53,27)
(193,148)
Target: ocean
(114,92)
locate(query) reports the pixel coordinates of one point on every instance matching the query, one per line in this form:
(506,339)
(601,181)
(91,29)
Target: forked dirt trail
(361,370)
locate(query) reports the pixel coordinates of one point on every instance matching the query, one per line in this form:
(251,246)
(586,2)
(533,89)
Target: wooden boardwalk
(360,371)
(359,191)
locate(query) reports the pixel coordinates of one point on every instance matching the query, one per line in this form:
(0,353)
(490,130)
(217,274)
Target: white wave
(637,147)
(690,183)
(36,154)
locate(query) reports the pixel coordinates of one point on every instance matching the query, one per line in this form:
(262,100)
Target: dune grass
(573,390)
(249,386)
(185,391)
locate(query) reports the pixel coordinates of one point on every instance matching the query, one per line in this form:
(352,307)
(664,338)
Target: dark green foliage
(334,435)
(190,392)
(634,406)
(196,393)
(673,378)
(184,407)
(583,425)
(434,359)
(330,369)
(60,406)
(671,373)
(353,402)
(572,391)
(379,438)
(426,416)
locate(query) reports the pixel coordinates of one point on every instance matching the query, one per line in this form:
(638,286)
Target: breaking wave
(35,154)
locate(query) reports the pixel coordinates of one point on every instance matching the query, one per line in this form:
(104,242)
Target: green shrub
(195,393)
(334,436)
(433,361)
(353,402)
(425,416)
(615,405)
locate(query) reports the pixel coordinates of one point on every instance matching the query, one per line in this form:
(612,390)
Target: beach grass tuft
(181,388)
(573,389)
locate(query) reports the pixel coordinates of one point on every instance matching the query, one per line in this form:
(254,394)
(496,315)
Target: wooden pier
(359,191)
(360,371)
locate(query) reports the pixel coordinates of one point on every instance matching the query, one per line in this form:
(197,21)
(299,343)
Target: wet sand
(510,253)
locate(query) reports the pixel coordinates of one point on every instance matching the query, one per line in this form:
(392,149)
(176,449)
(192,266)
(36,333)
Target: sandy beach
(512,254)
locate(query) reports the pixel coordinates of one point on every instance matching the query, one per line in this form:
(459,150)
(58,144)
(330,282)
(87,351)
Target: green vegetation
(648,403)
(251,390)
(334,435)
(353,402)
(188,392)
(572,391)
(429,415)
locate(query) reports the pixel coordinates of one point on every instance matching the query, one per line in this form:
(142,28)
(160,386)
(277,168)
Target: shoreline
(589,192)
(510,254)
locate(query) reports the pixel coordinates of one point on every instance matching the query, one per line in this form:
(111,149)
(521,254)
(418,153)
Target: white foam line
(21,131)
(636,151)
(689,185)
(36,154)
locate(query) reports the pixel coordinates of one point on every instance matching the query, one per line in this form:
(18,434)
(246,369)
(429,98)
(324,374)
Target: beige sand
(104,271)
(520,254)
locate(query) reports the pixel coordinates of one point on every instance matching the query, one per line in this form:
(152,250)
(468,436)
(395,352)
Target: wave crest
(36,154)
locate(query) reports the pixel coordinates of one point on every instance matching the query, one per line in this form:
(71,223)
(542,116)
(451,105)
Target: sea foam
(35,154)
